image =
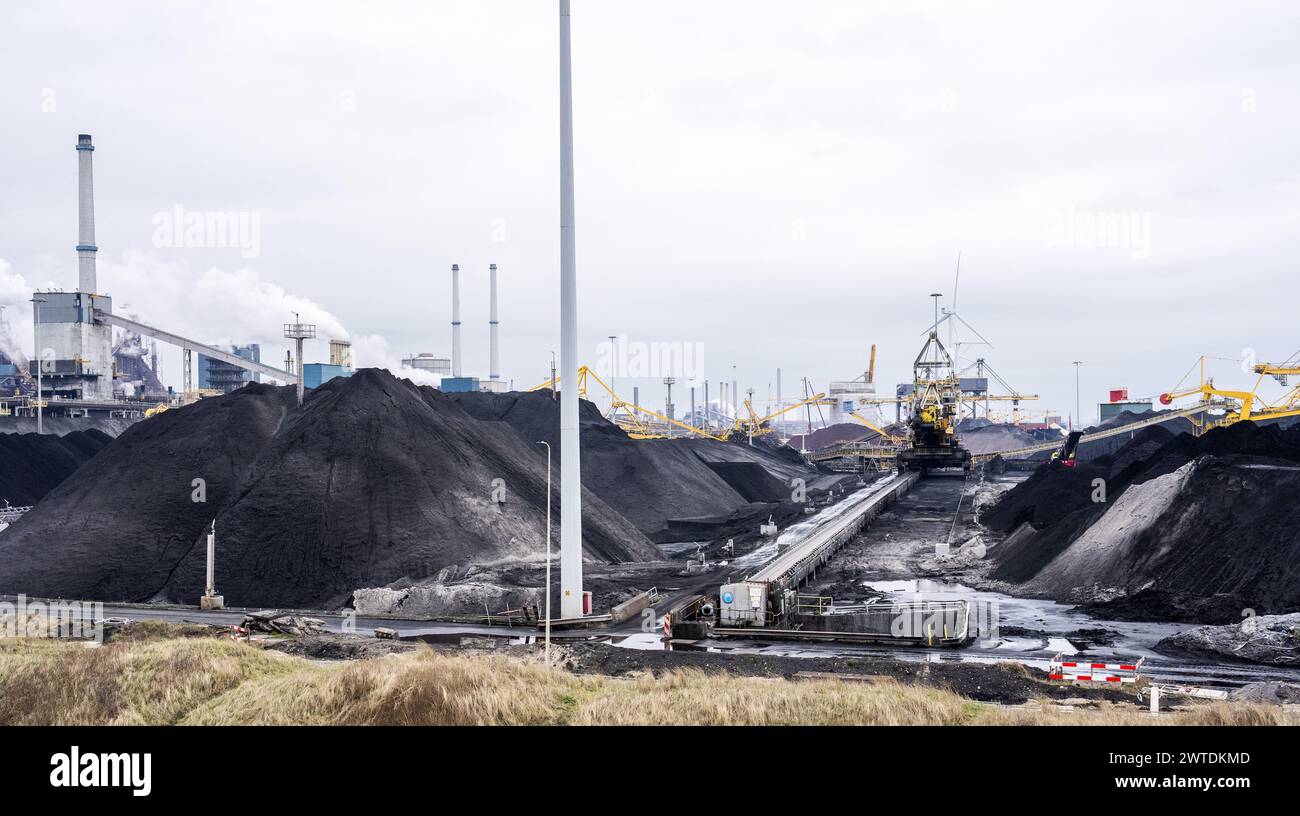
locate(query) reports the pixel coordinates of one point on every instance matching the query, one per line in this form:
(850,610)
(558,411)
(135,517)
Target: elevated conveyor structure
(767,596)
(789,569)
(201,348)
(1132,427)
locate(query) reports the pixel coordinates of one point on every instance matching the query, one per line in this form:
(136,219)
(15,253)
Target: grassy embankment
(152,675)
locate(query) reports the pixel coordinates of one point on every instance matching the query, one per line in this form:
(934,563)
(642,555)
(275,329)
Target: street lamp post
(548,551)
(36,333)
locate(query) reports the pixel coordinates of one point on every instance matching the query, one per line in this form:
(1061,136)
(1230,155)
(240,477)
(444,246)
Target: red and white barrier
(1076,671)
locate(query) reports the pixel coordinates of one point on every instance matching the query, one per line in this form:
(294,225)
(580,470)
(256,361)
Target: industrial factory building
(340,365)
(76,351)
(220,376)
(426,361)
(81,371)
(1119,403)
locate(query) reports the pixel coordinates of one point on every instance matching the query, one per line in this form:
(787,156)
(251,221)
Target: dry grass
(153,682)
(153,678)
(418,688)
(695,698)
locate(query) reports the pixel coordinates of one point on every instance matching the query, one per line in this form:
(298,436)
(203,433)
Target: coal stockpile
(372,481)
(1191,528)
(832,436)
(671,489)
(63,425)
(31,465)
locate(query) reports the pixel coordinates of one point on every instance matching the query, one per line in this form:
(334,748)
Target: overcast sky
(783,184)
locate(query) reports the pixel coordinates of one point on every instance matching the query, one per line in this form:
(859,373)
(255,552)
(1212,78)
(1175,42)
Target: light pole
(298,332)
(548,551)
(1077,416)
(36,333)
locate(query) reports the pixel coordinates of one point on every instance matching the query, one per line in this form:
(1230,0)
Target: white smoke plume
(373,351)
(16,315)
(213,306)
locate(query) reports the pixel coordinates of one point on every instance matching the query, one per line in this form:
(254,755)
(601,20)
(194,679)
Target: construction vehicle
(1065,456)
(936,396)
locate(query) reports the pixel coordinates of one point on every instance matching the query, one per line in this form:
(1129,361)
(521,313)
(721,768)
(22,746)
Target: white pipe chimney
(455,320)
(570,450)
(494,361)
(86,248)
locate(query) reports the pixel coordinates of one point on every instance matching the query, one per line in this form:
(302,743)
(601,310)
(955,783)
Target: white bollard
(1155,699)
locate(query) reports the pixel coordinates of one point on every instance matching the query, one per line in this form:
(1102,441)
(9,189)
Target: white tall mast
(570,450)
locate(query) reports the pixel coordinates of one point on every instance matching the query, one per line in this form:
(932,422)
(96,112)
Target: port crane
(632,418)
(1236,405)
(884,434)
(755,425)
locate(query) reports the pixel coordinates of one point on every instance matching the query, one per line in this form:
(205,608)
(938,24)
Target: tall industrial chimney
(494,361)
(455,320)
(571,605)
(86,248)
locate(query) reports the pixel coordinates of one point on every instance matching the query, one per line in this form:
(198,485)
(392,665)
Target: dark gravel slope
(373,480)
(31,465)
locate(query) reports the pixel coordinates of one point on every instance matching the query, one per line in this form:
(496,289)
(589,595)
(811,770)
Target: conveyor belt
(1132,427)
(789,569)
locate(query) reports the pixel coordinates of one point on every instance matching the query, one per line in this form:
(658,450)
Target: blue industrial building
(316,374)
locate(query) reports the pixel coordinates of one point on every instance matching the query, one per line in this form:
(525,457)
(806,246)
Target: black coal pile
(31,465)
(372,481)
(671,489)
(63,425)
(832,436)
(1190,528)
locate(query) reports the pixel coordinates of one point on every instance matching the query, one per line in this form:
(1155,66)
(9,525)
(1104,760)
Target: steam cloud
(215,306)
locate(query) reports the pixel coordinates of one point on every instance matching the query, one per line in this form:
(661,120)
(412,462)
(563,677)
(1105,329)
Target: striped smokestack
(494,367)
(455,320)
(86,248)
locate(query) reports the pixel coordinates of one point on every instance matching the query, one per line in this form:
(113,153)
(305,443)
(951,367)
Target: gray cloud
(783,184)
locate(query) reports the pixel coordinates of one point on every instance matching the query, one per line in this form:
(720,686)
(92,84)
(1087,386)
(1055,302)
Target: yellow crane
(1237,405)
(631,420)
(1278,372)
(756,425)
(885,435)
